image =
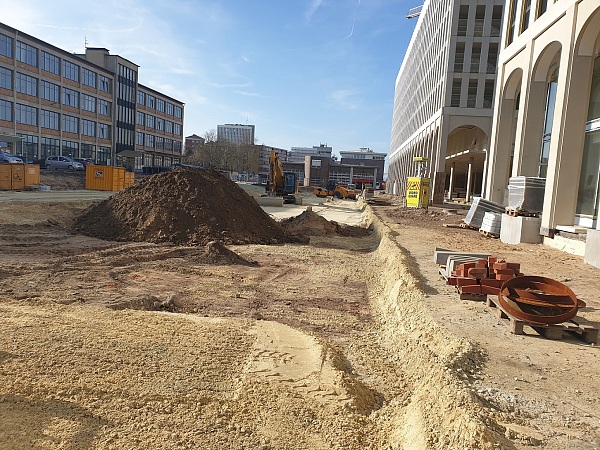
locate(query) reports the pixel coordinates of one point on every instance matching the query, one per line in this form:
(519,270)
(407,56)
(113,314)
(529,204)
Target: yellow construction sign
(417,192)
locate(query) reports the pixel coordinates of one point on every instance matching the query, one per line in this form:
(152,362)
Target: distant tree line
(223,155)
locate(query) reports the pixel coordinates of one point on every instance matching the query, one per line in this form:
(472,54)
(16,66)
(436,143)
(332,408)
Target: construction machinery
(336,190)
(281,184)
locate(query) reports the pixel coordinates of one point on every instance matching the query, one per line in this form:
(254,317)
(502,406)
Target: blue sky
(305,72)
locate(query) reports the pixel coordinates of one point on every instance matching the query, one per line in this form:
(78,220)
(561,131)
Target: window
(459,57)
(49,91)
(511,22)
(49,119)
(160,124)
(141,98)
(5,111)
(140,118)
(159,142)
(88,103)
(496,21)
(70,148)
(5,78)
(160,105)
(104,84)
(177,146)
(475,57)
(472,94)
(88,127)
(178,112)
(150,101)
(26,115)
(149,141)
(88,151)
(26,84)
(6,44)
(525,15)
(169,126)
(488,94)
(463,18)
(456,92)
(70,98)
(170,109)
(103,154)
(26,53)
(169,144)
(50,63)
(70,124)
(104,107)
(139,138)
(70,70)
(103,131)
(49,146)
(88,77)
(29,146)
(542,6)
(149,121)
(177,129)
(479,20)
(492,61)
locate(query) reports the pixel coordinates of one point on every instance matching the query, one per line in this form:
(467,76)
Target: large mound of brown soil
(183,206)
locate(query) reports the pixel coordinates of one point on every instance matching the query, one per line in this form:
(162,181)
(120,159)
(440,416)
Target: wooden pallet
(521,212)
(489,234)
(577,326)
(468,227)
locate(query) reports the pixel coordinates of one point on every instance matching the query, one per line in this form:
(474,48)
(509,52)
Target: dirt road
(347,343)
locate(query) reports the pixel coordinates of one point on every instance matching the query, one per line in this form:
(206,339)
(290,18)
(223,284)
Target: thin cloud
(314,6)
(345,98)
(247,94)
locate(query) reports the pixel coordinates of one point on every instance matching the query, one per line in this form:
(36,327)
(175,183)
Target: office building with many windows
(53,102)
(236,133)
(444,97)
(547,111)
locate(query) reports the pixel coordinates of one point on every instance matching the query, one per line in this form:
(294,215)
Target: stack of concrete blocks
(452,259)
(592,248)
(526,193)
(491,223)
(479,207)
(520,230)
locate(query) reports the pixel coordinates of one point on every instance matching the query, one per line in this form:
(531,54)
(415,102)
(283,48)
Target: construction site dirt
(346,340)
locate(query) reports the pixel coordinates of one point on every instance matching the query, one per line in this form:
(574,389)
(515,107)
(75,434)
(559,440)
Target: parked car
(63,163)
(84,161)
(6,157)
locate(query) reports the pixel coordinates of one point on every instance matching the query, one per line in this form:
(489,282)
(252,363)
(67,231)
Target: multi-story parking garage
(444,96)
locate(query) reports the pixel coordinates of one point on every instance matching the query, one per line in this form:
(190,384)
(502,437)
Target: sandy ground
(344,343)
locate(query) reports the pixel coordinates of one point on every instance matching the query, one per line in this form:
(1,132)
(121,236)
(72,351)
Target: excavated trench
(259,357)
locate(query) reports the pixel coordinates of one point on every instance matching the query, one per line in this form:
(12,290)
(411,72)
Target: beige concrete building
(444,96)
(547,108)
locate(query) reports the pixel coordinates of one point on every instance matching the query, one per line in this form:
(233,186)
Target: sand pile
(185,206)
(310,223)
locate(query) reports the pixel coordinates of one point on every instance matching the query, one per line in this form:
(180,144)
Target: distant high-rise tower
(236,133)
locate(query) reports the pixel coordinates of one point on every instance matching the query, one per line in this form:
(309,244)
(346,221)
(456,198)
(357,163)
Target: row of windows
(478,28)
(540,7)
(26,84)
(157,142)
(471,100)
(51,120)
(474,65)
(158,123)
(51,146)
(150,101)
(51,63)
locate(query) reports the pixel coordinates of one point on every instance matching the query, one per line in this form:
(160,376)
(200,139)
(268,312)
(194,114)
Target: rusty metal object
(538,300)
